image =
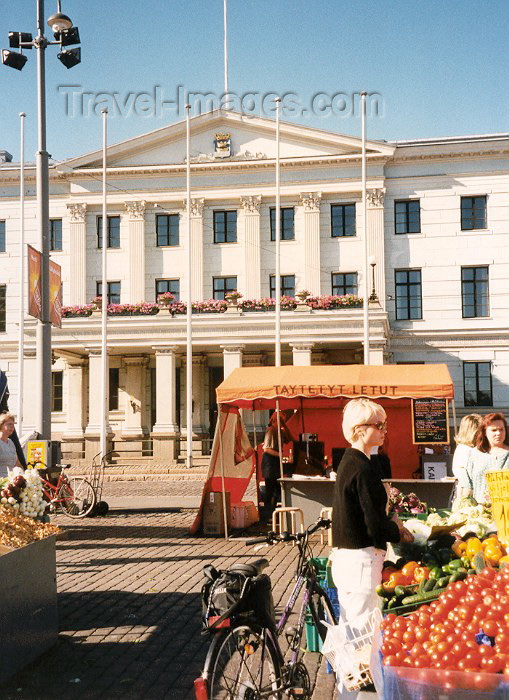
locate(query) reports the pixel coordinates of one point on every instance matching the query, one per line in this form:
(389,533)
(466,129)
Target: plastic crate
(313,640)
(402,683)
(332,592)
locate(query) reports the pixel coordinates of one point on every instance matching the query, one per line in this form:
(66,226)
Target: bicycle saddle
(252,568)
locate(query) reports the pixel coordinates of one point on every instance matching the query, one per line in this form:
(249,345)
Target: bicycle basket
(239,595)
(348,651)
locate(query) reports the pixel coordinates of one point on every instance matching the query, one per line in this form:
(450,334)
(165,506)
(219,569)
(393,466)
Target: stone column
(232,358)
(255,359)
(75,399)
(199,399)
(311,203)
(93,429)
(165,432)
(136,251)
(302,354)
(375,215)
(252,271)
(135,391)
(196,226)
(78,255)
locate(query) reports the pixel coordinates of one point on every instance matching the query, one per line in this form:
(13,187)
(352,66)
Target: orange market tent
(323,387)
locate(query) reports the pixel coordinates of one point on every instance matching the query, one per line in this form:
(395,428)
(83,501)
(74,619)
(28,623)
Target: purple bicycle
(245,660)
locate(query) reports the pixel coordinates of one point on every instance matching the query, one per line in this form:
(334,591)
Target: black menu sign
(429,421)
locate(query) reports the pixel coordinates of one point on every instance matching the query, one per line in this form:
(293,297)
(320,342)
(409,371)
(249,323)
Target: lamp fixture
(70,57)
(13,59)
(59,22)
(373,296)
(67,37)
(17,39)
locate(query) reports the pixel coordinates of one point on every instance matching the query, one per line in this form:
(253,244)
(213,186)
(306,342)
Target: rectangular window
(113,389)
(342,220)
(287,232)
(287,286)
(3,321)
(2,236)
(167,229)
(57,391)
(113,231)
(407,216)
(172,286)
(473,213)
(223,285)
(408,295)
(55,234)
(225,227)
(477,384)
(344,283)
(475,292)
(113,292)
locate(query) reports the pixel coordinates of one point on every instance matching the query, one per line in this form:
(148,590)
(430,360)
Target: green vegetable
(458,575)
(455,564)
(442,582)
(429,585)
(479,562)
(405,590)
(436,573)
(422,597)
(393,603)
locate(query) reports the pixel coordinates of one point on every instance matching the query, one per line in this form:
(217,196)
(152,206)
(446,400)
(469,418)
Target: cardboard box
(244,514)
(213,517)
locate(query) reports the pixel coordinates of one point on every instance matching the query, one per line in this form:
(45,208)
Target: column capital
(311,201)
(251,204)
(304,347)
(135,361)
(136,210)
(165,349)
(232,348)
(75,362)
(375,198)
(197,206)
(77,212)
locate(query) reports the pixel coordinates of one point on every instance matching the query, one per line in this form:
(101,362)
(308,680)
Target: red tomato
(493,664)
(488,573)
(388,649)
(421,634)
(460,648)
(421,662)
(391,661)
(417,650)
(444,645)
(490,627)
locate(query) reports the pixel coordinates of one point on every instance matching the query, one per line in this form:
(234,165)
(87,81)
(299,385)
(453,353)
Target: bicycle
(245,660)
(74,495)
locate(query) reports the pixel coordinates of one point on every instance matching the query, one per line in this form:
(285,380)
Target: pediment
(250,139)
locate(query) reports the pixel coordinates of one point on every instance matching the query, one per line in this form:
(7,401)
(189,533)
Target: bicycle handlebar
(273,538)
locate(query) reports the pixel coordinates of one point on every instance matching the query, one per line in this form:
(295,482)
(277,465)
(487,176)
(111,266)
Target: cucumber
(429,585)
(442,582)
(406,590)
(422,597)
(436,573)
(455,564)
(458,575)
(393,603)
(479,562)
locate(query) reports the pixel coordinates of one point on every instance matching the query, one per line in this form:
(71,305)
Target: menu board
(429,421)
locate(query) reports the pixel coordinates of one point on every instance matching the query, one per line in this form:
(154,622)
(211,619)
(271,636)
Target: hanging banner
(34,283)
(55,294)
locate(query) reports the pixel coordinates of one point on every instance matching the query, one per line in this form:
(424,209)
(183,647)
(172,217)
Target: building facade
(438,238)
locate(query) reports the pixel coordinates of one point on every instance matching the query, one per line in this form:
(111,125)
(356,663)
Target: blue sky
(439,68)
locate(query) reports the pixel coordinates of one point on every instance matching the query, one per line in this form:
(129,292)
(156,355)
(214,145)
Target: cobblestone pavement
(129,609)
(134,489)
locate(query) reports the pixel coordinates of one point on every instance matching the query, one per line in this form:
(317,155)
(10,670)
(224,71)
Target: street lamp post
(65,35)
(373,296)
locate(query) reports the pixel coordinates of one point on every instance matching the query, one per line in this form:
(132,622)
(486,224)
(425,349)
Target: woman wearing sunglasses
(360,525)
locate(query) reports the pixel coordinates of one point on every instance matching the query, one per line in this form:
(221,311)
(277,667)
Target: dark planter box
(28,605)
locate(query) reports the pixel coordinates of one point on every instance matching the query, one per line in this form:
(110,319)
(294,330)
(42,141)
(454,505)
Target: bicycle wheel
(243,665)
(321,609)
(76,497)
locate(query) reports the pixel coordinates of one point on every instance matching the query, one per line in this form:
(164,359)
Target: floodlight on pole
(70,57)
(58,23)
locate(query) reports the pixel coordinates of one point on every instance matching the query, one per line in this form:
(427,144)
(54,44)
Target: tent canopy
(259,387)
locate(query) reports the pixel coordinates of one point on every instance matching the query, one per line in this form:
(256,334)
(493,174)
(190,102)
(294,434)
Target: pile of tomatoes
(442,635)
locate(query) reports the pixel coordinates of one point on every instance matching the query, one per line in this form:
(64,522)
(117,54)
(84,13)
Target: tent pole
(454,416)
(256,460)
(280,445)
(225,516)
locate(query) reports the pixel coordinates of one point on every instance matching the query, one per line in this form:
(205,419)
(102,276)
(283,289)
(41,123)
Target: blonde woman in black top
(360,525)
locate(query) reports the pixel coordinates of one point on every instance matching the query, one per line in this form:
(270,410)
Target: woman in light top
(8,456)
(490,452)
(465,442)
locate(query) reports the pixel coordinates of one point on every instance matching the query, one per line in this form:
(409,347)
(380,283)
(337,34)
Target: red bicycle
(73,495)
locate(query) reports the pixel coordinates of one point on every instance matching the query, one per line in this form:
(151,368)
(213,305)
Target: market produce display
(23,493)
(18,530)
(469,516)
(400,503)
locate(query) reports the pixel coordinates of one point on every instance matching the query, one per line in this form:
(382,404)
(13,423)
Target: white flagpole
(225,23)
(365,225)
(278,243)
(21,341)
(104,304)
(189,311)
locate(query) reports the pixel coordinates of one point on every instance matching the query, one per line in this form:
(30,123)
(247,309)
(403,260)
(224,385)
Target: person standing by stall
(361,527)
(8,456)
(465,441)
(271,463)
(491,451)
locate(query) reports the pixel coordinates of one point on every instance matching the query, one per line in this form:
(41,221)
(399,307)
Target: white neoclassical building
(438,233)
